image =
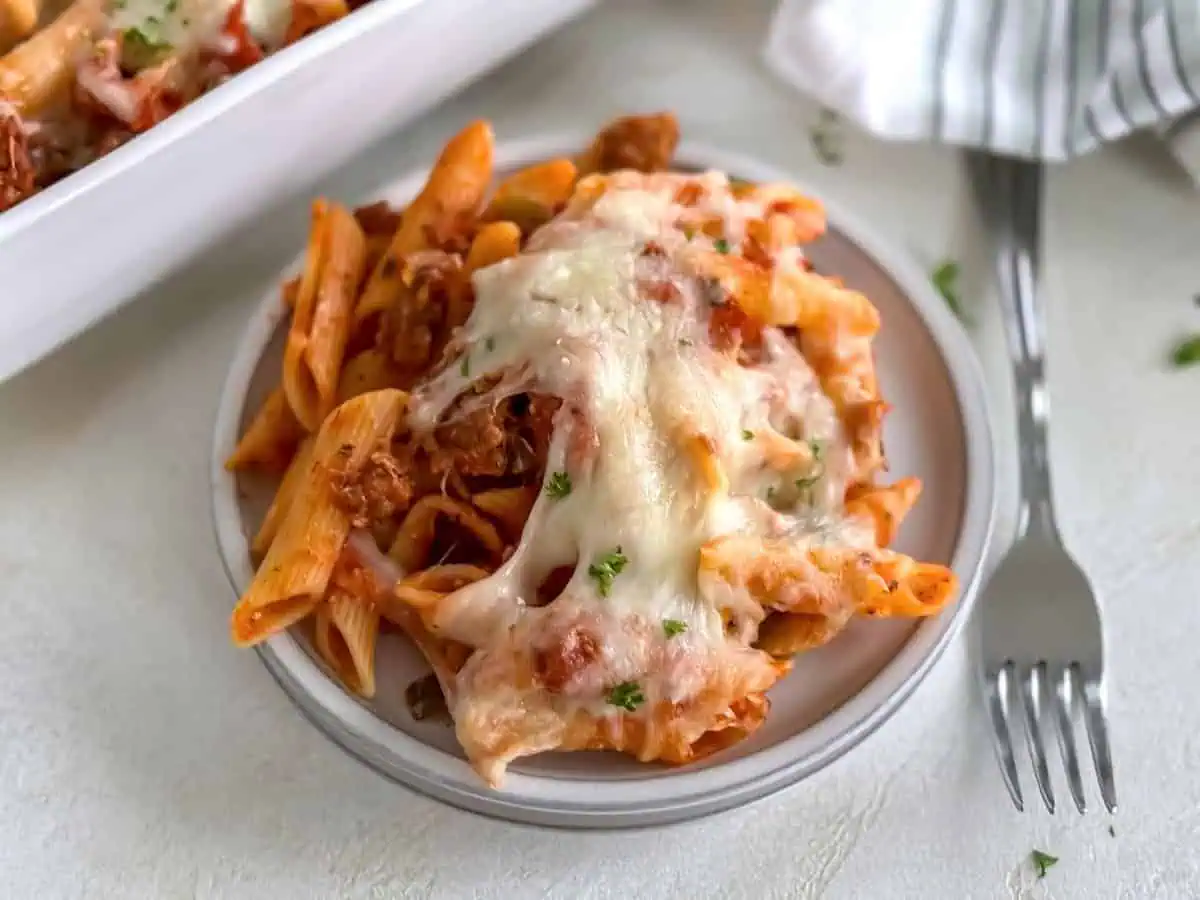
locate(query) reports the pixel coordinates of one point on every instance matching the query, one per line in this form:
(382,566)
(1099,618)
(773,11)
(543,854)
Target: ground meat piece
(412,328)
(378,218)
(475,444)
(537,427)
(644,143)
(17,176)
(730,329)
(573,652)
(373,494)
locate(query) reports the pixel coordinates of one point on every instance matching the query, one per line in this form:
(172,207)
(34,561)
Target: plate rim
(678,796)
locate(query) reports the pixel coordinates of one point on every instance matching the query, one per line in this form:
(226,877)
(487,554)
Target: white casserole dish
(81,249)
(837,695)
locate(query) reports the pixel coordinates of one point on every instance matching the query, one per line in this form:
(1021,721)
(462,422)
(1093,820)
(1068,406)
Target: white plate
(86,246)
(836,696)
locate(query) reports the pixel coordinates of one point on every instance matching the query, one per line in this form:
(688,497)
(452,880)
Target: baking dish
(85,246)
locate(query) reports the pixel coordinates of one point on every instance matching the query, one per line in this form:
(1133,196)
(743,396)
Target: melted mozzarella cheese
(646,399)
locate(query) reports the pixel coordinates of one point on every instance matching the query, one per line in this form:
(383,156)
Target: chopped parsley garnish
(172,5)
(826,138)
(672,627)
(721,245)
(689,232)
(945,280)
(559,485)
(465,368)
(808,482)
(1042,862)
(490,344)
(606,568)
(684,342)
(1187,352)
(141,50)
(747,434)
(627,695)
(817,448)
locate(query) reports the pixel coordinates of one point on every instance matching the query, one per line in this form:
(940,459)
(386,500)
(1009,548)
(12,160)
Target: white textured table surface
(142,756)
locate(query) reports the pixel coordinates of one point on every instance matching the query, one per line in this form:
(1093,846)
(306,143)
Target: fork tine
(1064,707)
(1032,683)
(1097,730)
(996,687)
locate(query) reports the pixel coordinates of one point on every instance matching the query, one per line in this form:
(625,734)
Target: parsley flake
(606,568)
(672,627)
(1042,862)
(747,434)
(465,368)
(490,344)
(945,280)
(807,483)
(558,485)
(627,695)
(1186,352)
(140,49)
(721,245)
(684,342)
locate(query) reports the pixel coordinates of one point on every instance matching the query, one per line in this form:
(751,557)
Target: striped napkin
(1046,79)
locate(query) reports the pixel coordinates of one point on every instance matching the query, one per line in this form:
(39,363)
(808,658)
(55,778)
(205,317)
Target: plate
(837,695)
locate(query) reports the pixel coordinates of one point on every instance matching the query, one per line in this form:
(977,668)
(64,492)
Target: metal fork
(1040,636)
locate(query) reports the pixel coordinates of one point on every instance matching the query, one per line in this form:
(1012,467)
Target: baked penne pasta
(635,471)
(271,437)
(296,475)
(323,316)
(18,19)
(455,190)
(345,629)
(97,73)
(295,573)
(39,72)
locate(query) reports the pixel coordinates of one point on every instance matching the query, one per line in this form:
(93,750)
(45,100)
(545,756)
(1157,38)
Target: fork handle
(1017,231)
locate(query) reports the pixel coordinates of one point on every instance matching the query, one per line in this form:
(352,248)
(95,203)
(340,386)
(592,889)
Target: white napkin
(1049,79)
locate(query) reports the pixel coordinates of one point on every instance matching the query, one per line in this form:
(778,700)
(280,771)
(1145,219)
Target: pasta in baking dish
(601,442)
(79,80)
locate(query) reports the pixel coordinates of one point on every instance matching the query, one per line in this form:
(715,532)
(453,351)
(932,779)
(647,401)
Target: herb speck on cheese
(627,695)
(607,568)
(672,627)
(558,485)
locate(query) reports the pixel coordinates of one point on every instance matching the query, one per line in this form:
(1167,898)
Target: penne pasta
(40,71)
(883,507)
(18,19)
(295,572)
(345,629)
(455,189)
(322,318)
(411,548)
(532,196)
(271,438)
(296,475)
(370,370)
(494,242)
(310,15)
